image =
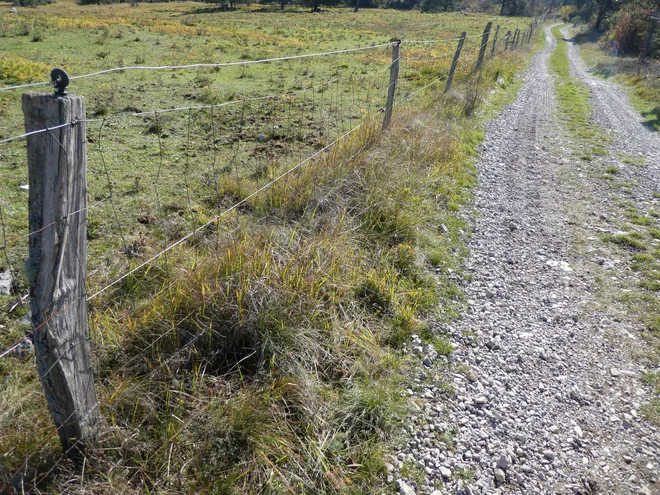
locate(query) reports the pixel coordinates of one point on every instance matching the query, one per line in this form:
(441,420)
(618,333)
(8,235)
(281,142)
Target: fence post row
(454,62)
(497,32)
(57,264)
(394,77)
(484,44)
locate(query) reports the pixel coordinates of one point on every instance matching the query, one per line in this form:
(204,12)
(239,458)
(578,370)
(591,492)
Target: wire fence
(176,176)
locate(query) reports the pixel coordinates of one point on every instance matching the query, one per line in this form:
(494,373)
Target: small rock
(504,462)
(472,376)
(500,477)
(427,362)
(615,372)
(445,472)
(404,488)
(5,283)
(549,454)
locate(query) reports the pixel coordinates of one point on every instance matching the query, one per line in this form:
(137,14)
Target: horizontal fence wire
(186,108)
(190,150)
(104,120)
(201,65)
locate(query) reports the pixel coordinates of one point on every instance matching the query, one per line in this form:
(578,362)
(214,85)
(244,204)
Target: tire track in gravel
(544,401)
(612,111)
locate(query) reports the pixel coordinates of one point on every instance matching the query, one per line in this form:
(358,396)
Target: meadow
(263,355)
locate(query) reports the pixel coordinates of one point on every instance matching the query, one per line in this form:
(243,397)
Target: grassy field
(641,81)
(264,354)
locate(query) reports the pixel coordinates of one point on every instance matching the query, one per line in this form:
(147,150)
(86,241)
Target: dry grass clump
(268,361)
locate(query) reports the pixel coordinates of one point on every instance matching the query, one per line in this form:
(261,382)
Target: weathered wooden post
(454,62)
(57,265)
(497,32)
(484,44)
(394,76)
(515,38)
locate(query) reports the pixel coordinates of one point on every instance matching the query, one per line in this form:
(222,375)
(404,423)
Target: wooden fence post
(484,44)
(497,32)
(506,40)
(394,76)
(454,62)
(515,38)
(57,265)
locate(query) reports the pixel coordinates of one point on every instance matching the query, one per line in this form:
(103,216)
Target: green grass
(637,240)
(264,355)
(642,83)
(574,106)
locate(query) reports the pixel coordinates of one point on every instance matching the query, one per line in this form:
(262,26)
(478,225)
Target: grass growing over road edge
(638,241)
(574,105)
(642,82)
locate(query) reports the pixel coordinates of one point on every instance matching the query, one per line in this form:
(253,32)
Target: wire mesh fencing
(183,177)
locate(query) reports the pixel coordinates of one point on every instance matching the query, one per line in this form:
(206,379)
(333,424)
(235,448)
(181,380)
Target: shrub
(628,27)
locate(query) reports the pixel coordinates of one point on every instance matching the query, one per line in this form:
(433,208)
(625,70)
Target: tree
(513,7)
(654,16)
(604,7)
(315,5)
(437,5)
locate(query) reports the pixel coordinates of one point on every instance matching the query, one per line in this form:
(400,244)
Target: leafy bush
(628,27)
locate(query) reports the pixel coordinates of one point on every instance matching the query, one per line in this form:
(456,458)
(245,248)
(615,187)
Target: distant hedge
(32,3)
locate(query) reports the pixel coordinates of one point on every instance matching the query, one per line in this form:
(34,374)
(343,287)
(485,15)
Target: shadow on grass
(587,37)
(274,9)
(652,119)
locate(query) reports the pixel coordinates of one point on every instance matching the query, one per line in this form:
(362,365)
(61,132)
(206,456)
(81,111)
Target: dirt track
(547,392)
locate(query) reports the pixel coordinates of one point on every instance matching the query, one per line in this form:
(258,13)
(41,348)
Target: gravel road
(545,396)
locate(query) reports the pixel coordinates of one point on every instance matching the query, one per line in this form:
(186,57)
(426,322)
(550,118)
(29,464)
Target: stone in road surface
(548,399)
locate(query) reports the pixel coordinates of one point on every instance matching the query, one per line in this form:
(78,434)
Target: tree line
(629,26)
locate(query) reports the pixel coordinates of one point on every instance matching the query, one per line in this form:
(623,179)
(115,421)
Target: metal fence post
(57,265)
(394,76)
(484,44)
(454,62)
